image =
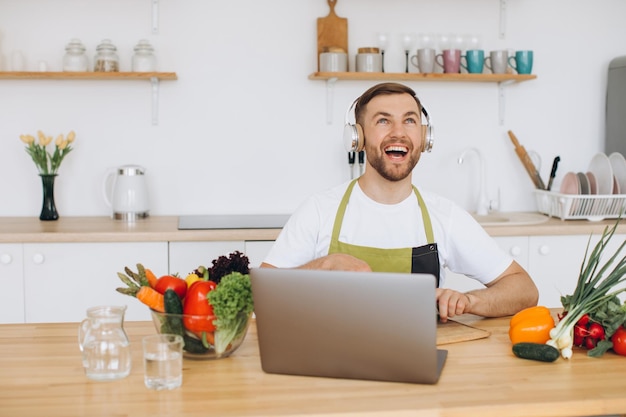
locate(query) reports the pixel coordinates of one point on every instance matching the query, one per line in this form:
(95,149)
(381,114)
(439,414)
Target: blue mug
(474,61)
(522,62)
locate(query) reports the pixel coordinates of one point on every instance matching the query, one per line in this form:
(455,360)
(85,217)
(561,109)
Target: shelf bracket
(330,85)
(155,100)
(155,16)
(502,19)
(502,100)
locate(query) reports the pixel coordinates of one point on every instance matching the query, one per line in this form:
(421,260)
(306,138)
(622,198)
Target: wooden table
(41,374)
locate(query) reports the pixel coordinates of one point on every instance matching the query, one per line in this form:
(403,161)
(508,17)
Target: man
(381,222)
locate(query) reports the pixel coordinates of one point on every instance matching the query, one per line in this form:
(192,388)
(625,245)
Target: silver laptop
(373,326)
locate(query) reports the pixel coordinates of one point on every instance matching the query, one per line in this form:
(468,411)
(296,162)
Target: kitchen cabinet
(62,280)
(553,262)
(257,250)
(12,283)
(184,257)
(187,256)
(516,246)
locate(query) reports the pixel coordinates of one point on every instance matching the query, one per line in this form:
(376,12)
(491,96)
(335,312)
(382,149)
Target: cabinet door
(257,250)
(12,284)
(555,263)
(516,246)
(62,280)
(187,256)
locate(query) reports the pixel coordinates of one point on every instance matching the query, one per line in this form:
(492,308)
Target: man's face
(393,135)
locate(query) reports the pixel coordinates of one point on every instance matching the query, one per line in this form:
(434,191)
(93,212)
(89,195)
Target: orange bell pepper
(532,325)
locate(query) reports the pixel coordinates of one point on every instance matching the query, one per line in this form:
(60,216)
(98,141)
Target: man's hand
(452,303)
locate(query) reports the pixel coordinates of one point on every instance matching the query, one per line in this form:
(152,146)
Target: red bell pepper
(197,305)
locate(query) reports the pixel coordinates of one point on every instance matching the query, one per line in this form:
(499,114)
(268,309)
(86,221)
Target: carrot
(208,338)
(150,297)
(152,279)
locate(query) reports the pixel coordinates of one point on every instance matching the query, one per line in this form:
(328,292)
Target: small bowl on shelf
(203,340)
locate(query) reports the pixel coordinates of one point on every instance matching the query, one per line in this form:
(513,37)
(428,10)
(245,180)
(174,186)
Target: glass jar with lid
(144,59)
(106,59)
(75,59)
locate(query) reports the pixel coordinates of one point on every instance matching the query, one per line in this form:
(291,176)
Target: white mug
(498,62)
(424,60)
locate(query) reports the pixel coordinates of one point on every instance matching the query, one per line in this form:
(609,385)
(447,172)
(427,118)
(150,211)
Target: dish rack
(577,207)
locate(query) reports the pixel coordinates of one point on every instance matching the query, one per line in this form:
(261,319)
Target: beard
(388,170)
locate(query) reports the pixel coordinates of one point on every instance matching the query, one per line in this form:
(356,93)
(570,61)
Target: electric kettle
(125,192)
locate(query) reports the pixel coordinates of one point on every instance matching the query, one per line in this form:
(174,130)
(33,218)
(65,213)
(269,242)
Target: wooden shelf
(153,77)
(387,76)
(501,79)
(46,75)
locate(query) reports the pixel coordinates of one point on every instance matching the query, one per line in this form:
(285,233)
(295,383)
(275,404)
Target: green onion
(592,290)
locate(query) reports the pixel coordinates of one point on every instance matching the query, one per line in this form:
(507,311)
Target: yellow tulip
(59,140)
(71,136)
(42,138)
(27,139)
(62,145)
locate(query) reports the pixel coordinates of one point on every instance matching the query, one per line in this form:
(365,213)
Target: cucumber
(193,345)
(536,351)
(173,305)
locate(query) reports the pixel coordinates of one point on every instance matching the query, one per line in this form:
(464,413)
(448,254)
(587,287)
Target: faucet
(482,207)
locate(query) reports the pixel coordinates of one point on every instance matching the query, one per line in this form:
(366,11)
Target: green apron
(423,259)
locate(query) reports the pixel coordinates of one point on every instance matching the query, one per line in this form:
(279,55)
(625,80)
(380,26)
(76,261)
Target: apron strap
(340,213)
(428,227)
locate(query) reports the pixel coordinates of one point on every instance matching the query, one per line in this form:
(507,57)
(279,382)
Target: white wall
(243,129)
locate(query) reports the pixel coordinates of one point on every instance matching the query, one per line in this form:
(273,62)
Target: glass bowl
(202,344)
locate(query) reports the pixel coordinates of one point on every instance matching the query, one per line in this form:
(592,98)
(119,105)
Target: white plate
(618,163)
(600,167)
(570,184)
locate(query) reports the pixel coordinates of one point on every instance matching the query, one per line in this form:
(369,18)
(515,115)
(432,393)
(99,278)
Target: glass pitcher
(104,344)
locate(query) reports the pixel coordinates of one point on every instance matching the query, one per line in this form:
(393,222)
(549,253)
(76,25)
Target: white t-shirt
(464,247)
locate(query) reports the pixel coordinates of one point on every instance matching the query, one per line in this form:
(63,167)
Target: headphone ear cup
(353,137)
(428,138)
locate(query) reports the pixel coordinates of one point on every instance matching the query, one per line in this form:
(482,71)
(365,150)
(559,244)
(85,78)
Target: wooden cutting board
(332,32)
(454,332)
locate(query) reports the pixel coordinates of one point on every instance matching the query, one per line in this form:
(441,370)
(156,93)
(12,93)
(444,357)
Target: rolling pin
(527,162)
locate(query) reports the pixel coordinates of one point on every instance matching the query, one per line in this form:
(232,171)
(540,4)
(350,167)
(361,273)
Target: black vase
(48,210)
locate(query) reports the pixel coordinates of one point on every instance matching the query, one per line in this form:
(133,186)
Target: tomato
(197,304)
(172,283)
(619,341)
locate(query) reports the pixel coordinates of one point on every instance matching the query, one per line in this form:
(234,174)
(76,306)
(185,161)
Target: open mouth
(396,151)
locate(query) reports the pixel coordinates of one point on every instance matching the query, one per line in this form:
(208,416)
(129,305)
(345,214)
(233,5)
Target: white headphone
(355,141)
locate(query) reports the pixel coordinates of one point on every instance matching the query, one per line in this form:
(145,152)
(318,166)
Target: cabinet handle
(5,259)
(38,258)
(516,250)
(544,249)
